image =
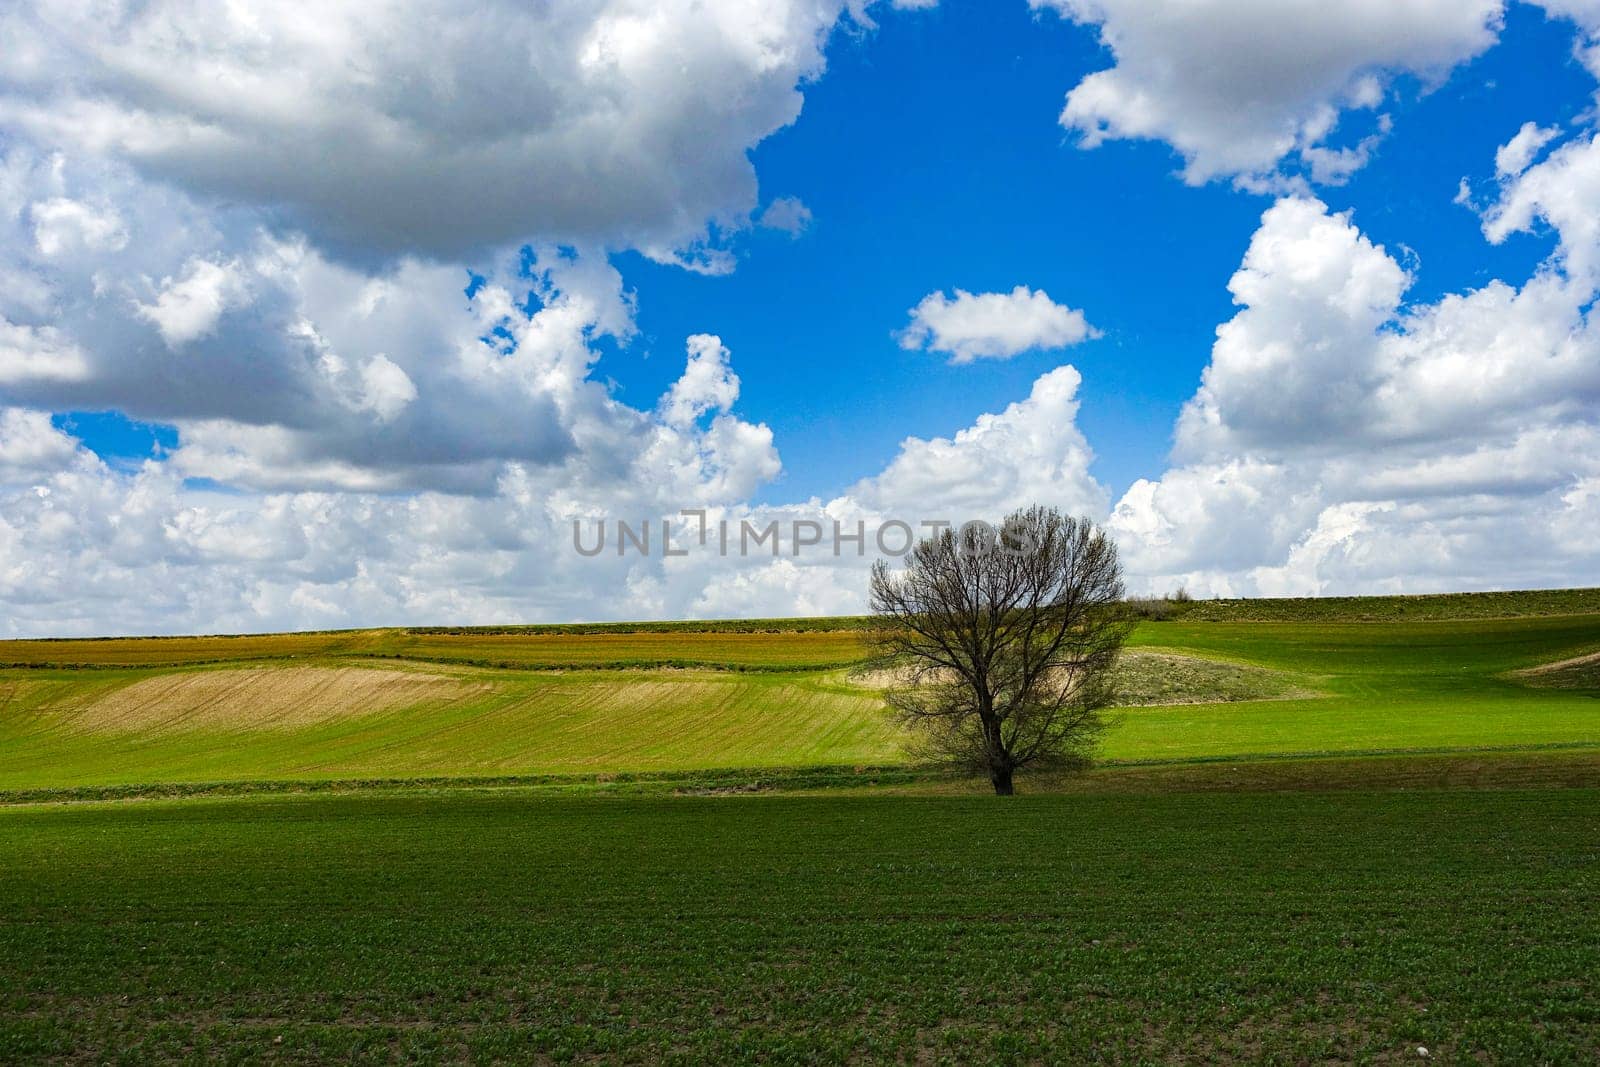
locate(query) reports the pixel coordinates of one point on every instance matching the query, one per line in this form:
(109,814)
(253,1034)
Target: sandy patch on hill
(1590,660)
(1146,678)
(267,698)
(1579,672)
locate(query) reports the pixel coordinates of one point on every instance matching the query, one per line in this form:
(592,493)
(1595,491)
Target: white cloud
(60,224)
(403,126)
(396,451)
(107,551)
(390,448)
(1513,157)
(31,447)
(1342,440)
(708,383)
(802,590)
(787,214)
(188,308)
(993,325)
(1032,452)
(1300,359)
(1563,190)
(1239,88)
(286,372)
(261,350)
(39,354)
(385,388)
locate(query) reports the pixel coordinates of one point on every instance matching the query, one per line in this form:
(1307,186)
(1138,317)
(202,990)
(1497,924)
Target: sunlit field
(1315,835)
(402,704)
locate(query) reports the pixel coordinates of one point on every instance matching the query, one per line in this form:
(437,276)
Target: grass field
(393,704)
(1319,832)
(1440,607)
(1146,928)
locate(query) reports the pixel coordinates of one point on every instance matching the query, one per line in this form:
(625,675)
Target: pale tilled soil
(267,699)
(1153,679)
(1579,672)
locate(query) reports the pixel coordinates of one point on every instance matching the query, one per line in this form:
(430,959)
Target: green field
(1319,830)
(399,704)
(792,929)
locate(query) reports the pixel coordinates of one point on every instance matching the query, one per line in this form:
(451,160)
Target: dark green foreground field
(1341,830)
(1164,928)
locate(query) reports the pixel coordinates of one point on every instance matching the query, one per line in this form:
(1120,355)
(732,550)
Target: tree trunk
(1002,782)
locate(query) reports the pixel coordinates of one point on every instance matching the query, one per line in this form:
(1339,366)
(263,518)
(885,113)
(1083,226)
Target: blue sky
(346,321)
(931,158)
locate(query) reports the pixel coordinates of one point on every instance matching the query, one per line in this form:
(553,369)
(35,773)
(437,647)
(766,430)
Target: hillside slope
(414,704)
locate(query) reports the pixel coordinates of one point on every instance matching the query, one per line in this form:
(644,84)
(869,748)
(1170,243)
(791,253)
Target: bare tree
(1001,642)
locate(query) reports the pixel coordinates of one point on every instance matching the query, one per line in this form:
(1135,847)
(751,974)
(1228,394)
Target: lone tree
(1001,642)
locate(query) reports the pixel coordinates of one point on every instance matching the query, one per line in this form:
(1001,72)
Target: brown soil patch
(1146,678)
(1590,660)
(895,677)
(267,698)
(1579,673)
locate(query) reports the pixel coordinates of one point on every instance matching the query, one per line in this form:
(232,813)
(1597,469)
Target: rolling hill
(1292,679)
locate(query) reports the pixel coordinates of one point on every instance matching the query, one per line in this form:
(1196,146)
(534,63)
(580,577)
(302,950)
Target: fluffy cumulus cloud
(1513,157)
(367,433)
(1241,89)
(1343,439)
(282,368)
(973,326)
(1030,451)
(404,126)
(238,221)
(382,446)
(391,444)
(87,548)
(31,446)
(188,308)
